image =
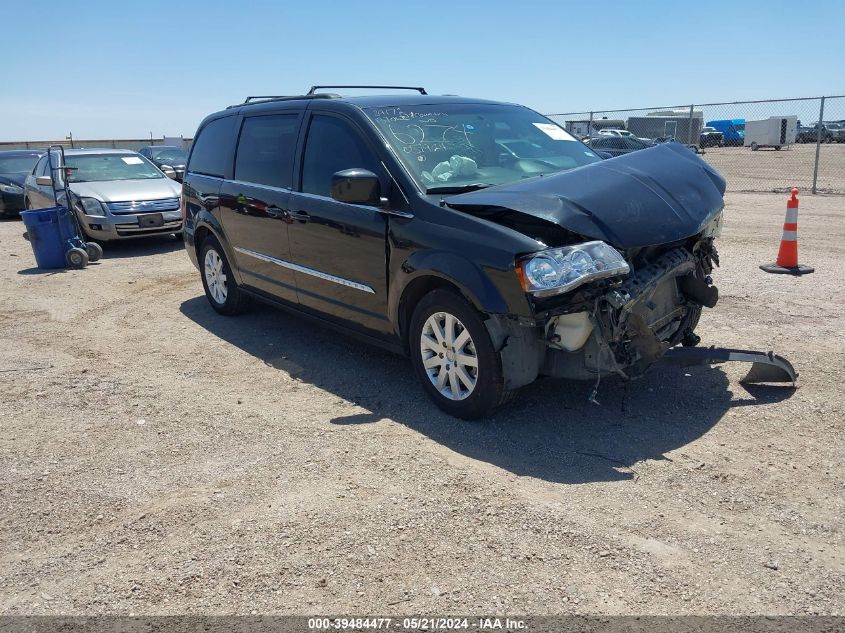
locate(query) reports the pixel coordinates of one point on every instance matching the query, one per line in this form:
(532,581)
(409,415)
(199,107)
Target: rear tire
(222,292)
(454,358)
(94,250)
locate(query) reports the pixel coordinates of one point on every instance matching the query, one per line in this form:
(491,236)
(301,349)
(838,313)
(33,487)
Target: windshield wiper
(459,188)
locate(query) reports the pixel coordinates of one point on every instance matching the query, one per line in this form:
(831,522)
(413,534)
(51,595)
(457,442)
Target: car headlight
(10,188)
(559,270)
(714,227)
(91,206)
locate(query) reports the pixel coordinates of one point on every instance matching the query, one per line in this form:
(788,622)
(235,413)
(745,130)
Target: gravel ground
(156,458)
(771,170)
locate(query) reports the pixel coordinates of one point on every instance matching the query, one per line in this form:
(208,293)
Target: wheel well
(411,296)
(199,237)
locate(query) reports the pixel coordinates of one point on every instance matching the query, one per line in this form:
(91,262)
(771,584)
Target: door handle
(276,212)
(302,216)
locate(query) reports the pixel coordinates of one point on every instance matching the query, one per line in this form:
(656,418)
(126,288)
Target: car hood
(15,179)
(173,163)
(128,190)
(653,196)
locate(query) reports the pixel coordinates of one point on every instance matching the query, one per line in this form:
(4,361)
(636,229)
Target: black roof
(368,101)
(338,102)
(22,152)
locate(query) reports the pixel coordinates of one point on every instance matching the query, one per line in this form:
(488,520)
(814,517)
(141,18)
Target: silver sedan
(117,194)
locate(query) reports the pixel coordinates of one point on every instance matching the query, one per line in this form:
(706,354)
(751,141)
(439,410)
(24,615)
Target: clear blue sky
(115,69)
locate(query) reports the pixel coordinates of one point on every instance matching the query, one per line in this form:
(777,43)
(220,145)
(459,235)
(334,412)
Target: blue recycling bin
(48,231)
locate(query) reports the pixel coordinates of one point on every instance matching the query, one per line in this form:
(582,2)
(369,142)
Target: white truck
(776,131)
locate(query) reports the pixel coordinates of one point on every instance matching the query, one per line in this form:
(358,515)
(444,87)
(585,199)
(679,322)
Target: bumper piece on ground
(766,367)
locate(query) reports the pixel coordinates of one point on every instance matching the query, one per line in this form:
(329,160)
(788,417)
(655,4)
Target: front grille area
(127,230)
(144,206)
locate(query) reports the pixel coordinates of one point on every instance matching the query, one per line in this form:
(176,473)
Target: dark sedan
(811,133)
(618,145)
(168,158)
(15,166)
(710,137)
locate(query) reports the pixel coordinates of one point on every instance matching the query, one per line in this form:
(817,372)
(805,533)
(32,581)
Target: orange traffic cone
(787,263)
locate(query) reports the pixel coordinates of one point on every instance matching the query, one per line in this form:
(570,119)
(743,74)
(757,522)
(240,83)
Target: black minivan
(479,238)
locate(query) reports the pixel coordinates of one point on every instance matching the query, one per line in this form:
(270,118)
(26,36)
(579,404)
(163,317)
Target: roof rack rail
(419,89)
(268,98)
(250,99)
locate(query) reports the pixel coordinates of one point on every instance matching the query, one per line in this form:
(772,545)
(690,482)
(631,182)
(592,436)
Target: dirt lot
(156,458)
(772,170)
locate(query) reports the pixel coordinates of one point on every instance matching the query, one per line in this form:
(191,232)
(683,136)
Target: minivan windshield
(455,147)
(101,167)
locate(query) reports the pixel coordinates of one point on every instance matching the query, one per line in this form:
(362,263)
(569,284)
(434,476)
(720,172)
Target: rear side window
(266,150)
(212,150)
(332,145)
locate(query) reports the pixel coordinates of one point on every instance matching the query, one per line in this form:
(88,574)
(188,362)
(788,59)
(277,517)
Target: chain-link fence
(133,144)
(770,145)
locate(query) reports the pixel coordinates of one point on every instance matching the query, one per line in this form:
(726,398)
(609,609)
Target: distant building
(582,127)
(675,123)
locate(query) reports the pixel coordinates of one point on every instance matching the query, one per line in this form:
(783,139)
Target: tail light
(183,205)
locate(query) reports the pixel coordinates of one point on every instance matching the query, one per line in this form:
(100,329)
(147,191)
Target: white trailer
(776,131)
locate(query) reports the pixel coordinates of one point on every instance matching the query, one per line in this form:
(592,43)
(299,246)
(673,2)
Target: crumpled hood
(128,190)
(653,196)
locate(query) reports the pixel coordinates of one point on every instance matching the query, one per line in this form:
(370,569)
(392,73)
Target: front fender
(473,281)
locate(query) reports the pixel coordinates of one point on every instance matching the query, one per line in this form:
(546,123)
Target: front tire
(453,356)
(76,258)
(220,288)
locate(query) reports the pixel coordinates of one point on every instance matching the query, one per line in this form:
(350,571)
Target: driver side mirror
(356,186)
(168,171)
(44,181)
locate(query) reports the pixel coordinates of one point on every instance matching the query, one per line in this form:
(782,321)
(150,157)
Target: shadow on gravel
(127,249)
(141,247)
(549,431)
(42,271)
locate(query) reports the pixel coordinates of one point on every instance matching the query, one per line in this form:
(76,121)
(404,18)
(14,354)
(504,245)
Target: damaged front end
(625,269)
(623,327)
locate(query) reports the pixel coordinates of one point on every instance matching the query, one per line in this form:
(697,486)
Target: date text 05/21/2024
(417,623)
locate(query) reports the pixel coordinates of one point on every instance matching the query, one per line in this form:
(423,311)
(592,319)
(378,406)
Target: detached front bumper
(129,226)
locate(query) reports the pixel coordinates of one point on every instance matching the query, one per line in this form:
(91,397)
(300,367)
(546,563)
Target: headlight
(559,270)
(91,206)
(10,188)
(714,227)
